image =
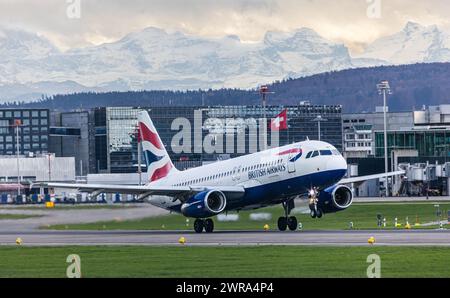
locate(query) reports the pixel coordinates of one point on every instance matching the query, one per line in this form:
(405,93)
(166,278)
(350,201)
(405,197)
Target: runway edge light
(49,205)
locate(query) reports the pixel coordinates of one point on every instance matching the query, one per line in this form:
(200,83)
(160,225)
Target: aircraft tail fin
(159,164)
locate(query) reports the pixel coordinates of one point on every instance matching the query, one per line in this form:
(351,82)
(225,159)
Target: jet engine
(205,204)
(336,198)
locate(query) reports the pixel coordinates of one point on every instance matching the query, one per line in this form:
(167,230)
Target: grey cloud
(104,20)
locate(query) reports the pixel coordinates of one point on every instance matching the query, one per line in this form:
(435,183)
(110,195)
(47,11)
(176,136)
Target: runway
(229,238)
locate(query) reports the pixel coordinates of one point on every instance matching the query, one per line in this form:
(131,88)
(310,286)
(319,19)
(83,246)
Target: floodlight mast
(384,89)
(264,91)
(319,119)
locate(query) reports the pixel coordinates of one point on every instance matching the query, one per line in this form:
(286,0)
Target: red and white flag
(280,122)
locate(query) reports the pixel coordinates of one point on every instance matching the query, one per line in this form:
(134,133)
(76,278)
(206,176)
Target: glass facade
(33,137)
(301,124)
(163,118)
(121,125)
(116,144)
(72,135)
(101,144)
(432,143)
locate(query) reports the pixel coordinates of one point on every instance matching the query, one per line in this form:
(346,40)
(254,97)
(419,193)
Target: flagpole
(139,155)
(287,123)
(264,119)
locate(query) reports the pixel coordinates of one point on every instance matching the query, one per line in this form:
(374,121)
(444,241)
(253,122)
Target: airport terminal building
(418,141)
(426,131)
(104,140)
(24,130)
(116,141)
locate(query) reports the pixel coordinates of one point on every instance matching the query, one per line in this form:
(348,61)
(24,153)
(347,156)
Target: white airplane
(310,169)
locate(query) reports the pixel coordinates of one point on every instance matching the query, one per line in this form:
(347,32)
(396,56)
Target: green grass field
(16,216)
(363,216)
(258,262)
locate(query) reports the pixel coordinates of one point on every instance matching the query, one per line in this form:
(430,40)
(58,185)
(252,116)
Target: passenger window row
(229,173)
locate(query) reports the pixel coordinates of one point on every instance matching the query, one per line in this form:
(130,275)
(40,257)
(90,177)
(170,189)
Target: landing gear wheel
(313,213)
(319,213)
(282,224)
(209,225)
(198,225)
(292,223)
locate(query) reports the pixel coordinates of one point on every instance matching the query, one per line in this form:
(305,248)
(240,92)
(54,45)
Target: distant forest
(412,86)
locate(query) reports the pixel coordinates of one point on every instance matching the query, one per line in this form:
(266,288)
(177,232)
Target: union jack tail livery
(158,161)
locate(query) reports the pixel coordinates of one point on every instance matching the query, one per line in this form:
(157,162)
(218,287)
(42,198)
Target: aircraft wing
(361,179)
(177,192)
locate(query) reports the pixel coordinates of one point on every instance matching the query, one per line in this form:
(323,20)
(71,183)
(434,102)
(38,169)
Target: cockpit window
(336,152)
(326,152)
(316,153)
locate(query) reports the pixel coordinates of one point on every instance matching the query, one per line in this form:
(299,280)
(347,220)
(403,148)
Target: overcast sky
(354,22)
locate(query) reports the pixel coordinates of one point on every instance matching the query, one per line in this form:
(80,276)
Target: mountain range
(154,59)
(413,86)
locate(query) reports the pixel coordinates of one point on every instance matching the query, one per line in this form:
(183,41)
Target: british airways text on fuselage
(265,172)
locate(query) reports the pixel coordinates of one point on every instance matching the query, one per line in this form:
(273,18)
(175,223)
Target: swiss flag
(280,122)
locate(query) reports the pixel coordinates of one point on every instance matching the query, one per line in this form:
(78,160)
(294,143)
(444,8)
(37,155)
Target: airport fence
(34,199)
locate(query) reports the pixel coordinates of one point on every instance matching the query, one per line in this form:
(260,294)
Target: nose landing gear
(316,212)
(287,221)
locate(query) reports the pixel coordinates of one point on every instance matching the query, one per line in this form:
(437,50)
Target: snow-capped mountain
(415,43)
(15,44)
(31,65)
(156,59)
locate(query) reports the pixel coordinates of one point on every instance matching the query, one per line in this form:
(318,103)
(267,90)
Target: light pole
(319,119)
(17,124)
(384,89)
(264,90)
(49,156)
(438,214)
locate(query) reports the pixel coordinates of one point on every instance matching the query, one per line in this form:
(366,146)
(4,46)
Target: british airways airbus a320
(310,169)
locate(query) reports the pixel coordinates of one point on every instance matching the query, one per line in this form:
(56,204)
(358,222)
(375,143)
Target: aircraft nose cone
(338,166)
(342,164)
(337,163)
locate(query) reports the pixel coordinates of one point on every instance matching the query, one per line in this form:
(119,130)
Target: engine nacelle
(336,198)
(205,204)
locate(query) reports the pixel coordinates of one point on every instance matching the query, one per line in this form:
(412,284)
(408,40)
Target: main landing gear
(207,225)
(316,212)
(287,221)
